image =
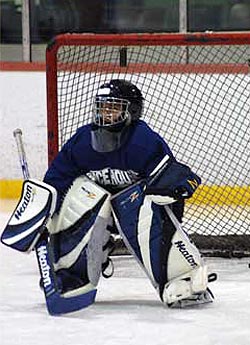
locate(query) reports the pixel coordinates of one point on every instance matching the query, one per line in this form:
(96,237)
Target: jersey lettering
(114,177)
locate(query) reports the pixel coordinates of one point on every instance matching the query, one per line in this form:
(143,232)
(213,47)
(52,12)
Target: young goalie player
(118,152)
(114,172)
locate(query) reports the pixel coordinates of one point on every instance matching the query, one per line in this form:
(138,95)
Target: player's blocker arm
(31,216)
(175,181)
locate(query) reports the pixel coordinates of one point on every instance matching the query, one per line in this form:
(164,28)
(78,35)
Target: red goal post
(196,88)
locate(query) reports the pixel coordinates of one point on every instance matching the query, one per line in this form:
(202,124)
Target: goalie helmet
(118,103)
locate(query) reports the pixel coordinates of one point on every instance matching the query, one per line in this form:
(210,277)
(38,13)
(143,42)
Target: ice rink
(127,309)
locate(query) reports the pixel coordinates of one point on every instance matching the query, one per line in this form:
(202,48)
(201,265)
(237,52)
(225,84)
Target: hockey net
(197,96)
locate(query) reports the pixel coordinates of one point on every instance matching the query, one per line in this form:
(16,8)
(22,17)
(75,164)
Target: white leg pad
(83,202)
(82,196)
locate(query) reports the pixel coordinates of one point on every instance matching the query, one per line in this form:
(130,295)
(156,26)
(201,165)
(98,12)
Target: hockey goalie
(115,174)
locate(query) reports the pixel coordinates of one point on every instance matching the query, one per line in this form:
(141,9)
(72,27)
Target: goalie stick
(56,304)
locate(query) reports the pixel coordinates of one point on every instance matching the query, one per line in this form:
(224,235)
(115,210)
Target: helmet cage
(110,111)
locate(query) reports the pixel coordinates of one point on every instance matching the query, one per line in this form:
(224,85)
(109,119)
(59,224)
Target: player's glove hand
(177,181)
(186,187)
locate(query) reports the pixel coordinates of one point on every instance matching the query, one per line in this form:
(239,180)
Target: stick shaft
(21,153)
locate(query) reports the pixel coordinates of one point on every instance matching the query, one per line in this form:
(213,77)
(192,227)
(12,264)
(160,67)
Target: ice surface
(127,309)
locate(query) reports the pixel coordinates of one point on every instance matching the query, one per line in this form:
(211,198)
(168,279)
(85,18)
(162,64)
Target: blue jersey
(114,170)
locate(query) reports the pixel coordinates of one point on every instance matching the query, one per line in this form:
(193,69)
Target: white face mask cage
(110,111)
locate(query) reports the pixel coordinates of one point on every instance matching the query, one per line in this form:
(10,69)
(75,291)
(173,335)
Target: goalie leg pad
(156,239)
(78,236)
(139,221)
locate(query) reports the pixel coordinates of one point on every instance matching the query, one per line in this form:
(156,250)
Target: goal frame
(68,54)
(120,40)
